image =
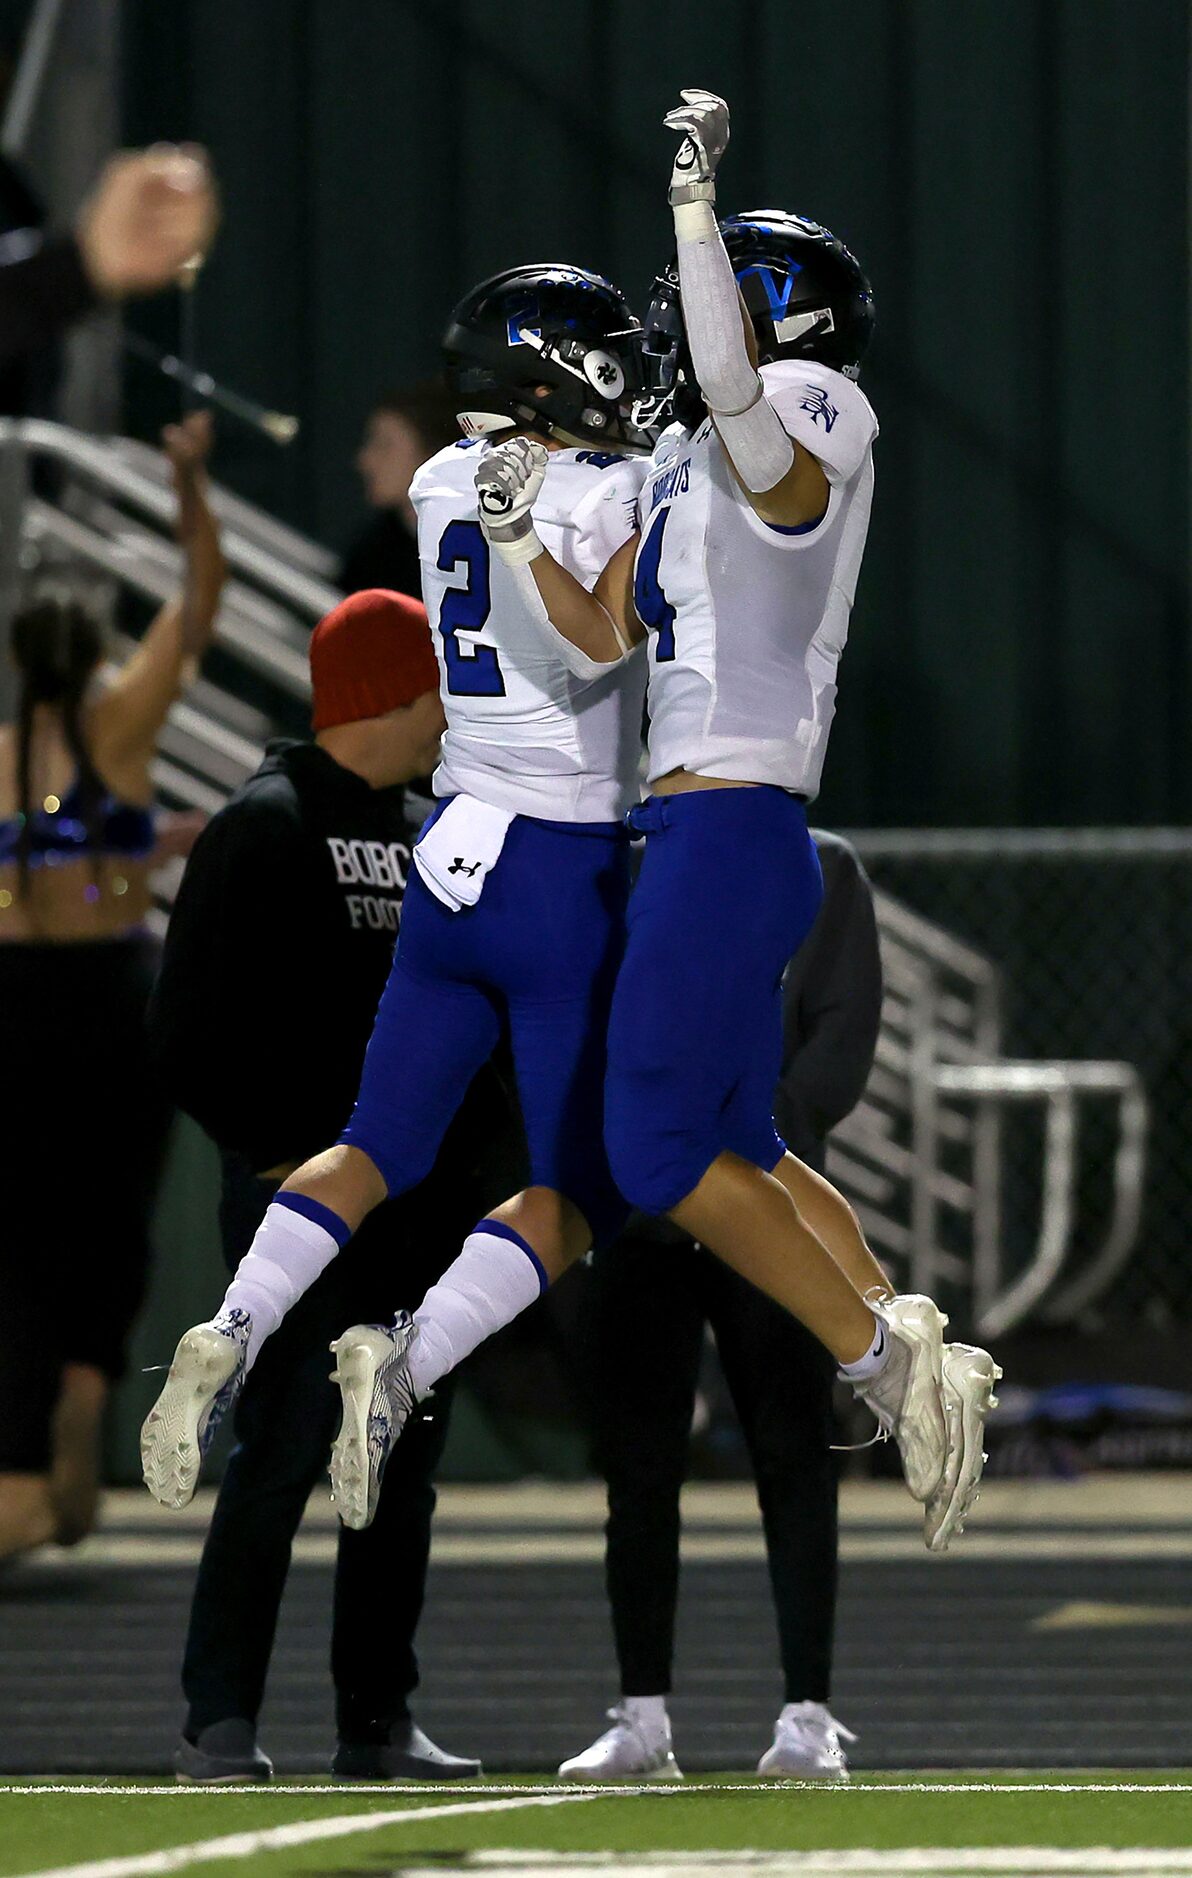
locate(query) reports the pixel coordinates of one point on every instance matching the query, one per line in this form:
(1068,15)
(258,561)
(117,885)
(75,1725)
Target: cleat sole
(657,1776)
(970,1376)
(356,1372)
(171,1445)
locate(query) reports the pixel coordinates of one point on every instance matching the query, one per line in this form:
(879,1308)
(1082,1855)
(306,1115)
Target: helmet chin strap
(650,409)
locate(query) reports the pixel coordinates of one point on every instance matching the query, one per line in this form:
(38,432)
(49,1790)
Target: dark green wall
(1014,175)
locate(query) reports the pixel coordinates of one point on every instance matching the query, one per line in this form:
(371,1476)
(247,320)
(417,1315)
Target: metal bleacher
(924,1155)
(922,1158)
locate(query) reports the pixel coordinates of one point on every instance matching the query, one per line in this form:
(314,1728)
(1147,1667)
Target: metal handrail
(233,511)
(248,624)
(1059,1085)
(97,461)
(922,1155)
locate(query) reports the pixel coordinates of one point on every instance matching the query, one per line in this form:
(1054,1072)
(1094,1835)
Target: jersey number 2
(653,608)
(472,671)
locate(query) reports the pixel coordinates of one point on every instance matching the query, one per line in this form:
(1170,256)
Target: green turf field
(1093,1825)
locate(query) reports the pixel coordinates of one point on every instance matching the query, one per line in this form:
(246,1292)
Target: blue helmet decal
(778,286)
(519,320)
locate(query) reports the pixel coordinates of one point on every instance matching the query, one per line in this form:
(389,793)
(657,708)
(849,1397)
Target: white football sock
(290,1250)
(647,1713)
(875,1358)
(494,1279)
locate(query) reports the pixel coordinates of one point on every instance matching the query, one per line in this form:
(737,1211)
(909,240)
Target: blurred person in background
(150,213)
(77,843)
(405,429)
(291,903)
(655,1292)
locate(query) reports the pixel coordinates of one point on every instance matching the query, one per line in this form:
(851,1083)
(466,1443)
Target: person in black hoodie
(290,903)
(654,1289)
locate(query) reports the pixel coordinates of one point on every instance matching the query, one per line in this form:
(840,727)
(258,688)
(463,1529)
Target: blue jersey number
(653,608)
(472,671)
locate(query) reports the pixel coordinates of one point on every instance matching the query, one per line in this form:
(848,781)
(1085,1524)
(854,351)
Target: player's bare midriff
(96,896)
(102,898)
(681,781)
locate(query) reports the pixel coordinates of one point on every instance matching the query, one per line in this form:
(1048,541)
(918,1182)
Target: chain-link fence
(1087,935)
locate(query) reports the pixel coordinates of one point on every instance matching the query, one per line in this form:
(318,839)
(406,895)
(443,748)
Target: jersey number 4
(472,671)
(653,608)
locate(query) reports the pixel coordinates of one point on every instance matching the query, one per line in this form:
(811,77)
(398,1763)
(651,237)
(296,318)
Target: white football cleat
(969,1375)
(372,1370)
(906,1395)
(206,1376)
(624,1752)
(806,1745)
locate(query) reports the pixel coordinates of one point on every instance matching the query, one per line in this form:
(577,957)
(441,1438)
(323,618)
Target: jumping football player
(515,915)
(753,518)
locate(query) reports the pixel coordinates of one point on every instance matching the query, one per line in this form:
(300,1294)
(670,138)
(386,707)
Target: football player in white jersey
(514,915)
(753,517)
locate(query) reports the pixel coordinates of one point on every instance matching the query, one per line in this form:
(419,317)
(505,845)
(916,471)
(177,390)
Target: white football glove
(703,118)
(508,479)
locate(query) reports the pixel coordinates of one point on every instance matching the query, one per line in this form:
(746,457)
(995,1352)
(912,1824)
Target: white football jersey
(523,732)
(747,621)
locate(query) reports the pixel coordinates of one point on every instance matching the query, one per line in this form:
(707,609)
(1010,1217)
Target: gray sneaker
(906,1396)
(407,1755)
(222,1755)
(372,1370)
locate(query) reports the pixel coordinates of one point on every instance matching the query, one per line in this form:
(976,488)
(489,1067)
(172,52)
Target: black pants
(650,1303)
(286,1420)
(81,1147)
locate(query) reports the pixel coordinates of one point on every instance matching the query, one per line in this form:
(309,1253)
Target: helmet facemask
(672,394)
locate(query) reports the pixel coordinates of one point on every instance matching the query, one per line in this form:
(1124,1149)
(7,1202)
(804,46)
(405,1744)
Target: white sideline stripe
(277,1838)
(860,1784)
(954,1862)
(1023,1861)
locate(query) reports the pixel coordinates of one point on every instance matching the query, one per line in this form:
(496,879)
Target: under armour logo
(460,866)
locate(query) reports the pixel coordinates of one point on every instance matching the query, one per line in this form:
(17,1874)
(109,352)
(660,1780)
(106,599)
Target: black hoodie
(277,953)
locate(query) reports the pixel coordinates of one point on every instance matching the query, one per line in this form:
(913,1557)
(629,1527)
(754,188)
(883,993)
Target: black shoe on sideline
(226,1751)
(407,1755)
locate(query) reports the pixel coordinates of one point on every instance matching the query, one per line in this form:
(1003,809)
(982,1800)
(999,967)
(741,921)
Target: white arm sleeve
(751,430)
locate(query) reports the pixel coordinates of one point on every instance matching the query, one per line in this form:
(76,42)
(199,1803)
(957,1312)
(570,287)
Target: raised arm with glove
(783,481)
(580,624)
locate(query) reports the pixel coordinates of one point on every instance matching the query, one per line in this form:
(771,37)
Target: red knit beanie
(371,654)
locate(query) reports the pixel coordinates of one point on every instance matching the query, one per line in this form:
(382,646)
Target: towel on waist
(458,853)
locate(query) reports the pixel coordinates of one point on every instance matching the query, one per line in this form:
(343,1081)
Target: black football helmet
(551,349)
(806,294)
